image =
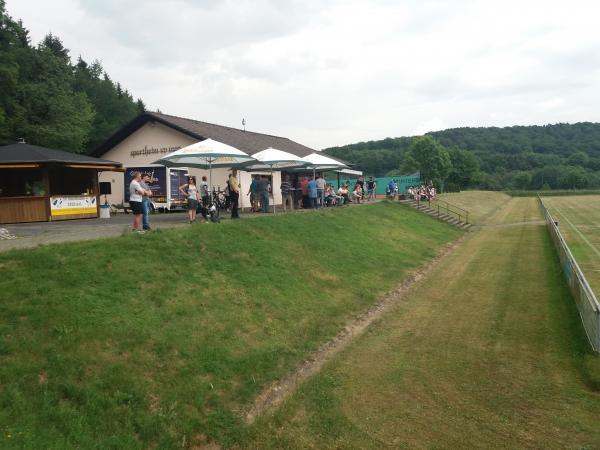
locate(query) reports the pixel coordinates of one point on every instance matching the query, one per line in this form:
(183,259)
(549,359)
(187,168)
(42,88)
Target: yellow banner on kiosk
(69,205)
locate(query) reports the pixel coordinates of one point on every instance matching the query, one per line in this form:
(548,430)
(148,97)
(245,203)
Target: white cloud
(328,73)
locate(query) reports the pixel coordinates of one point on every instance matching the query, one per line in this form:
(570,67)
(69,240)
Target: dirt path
(276,393)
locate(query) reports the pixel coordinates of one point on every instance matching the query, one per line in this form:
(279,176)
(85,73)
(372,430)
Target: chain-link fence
(587,303)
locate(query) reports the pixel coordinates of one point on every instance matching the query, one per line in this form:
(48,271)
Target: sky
(326,73)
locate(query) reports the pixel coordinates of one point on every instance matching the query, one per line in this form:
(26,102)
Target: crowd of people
(303,192)
(423,192)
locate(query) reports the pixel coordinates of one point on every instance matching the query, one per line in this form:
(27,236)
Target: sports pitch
(579,223)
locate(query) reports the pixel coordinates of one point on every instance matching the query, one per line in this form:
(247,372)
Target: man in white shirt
(320,190)
(136,193)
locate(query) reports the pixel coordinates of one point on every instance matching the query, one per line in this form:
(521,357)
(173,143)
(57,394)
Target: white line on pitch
(592,246)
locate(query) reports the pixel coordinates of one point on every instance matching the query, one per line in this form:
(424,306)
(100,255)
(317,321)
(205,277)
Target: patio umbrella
(318,161)
(274,159)
(206,155)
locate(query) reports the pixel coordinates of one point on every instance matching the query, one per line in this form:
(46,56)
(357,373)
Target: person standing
(204,193)
(145,184)
(190,190)
(361,182)
(312,193)
(304,189)
(227,194)
(371,187)
(262,188)
(320,191)
(286,193)
(390,188)
(253,193)
(136,193)
(234,194)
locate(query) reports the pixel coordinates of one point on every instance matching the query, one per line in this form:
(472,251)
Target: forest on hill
(48,100)
(561,156)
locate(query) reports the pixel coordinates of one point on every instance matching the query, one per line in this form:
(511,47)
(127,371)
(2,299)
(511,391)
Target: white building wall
(155,140)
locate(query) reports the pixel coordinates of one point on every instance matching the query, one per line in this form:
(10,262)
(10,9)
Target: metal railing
(449,209)
(586,301)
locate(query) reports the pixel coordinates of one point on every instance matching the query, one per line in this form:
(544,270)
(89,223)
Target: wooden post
(46,181)
(96,190)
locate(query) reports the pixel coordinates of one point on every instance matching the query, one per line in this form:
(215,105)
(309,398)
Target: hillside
(558,156)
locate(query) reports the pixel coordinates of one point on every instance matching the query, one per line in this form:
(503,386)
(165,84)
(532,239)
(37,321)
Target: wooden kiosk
(39,184)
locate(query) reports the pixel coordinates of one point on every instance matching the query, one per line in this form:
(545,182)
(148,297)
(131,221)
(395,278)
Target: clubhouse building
(153,135)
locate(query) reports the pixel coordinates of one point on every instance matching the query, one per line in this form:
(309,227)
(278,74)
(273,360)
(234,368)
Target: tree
(48,100)
(572,177)
(429,157)
(578,159)
(56,116)
(465,168)
(522,180)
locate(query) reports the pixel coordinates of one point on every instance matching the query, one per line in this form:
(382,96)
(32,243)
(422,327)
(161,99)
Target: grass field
(162,340)
(480,204)
(486,352)
(494,207)
(579,223)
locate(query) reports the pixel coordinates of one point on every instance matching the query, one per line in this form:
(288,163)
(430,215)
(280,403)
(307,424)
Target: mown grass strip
(162,340)
(578,223)
(554,193)
(488,353)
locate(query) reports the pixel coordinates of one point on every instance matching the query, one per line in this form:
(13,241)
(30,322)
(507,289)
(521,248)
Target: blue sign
(178,178)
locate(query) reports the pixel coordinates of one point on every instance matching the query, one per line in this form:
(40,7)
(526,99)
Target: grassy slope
(584,214)
(487,352)
(161,340)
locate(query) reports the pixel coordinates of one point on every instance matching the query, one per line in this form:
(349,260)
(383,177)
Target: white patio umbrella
(206,155)
(274,159)
(318,161)
(322,162)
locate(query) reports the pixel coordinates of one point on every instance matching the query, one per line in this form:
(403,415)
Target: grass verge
(162,340)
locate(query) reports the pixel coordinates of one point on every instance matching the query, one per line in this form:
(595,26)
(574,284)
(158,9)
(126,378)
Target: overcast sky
(328,73)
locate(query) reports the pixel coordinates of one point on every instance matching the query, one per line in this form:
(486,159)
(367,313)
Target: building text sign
(153,151)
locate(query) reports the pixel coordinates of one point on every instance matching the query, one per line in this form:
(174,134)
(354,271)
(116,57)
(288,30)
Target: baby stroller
(209,213)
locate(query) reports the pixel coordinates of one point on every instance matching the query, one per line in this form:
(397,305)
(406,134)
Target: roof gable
(246,141)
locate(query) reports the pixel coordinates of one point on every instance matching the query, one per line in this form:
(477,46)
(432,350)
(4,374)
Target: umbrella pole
(210,181)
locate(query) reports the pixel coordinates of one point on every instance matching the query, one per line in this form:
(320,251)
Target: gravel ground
(41,233)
